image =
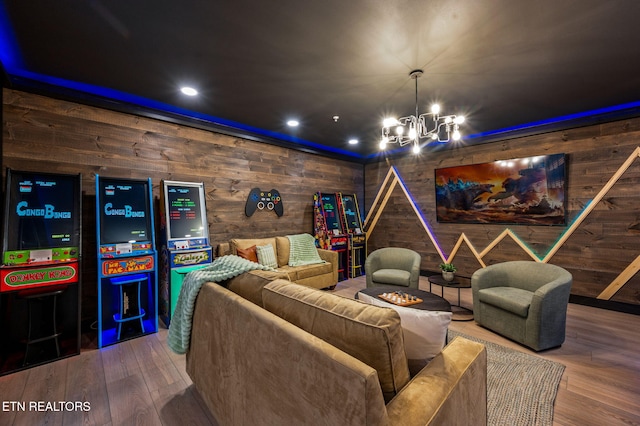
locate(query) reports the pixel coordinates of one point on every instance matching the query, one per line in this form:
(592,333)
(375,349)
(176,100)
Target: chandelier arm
(426,132)
(447,130)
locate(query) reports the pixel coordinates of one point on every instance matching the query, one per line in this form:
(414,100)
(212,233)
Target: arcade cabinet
(40,272)
(184,233)
(127,260)
(357,237)
(329,228)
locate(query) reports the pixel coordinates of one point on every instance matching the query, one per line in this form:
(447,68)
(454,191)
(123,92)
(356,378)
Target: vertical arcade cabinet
(329,229)
(357,237)
(40,272)
(184,233)
(127,260)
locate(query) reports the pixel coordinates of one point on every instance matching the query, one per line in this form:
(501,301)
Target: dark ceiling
(506,65)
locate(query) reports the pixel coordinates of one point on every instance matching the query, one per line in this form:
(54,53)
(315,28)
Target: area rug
(521,388)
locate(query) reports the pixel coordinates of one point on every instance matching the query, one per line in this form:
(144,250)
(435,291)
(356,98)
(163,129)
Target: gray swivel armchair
(524,301)
(393,266)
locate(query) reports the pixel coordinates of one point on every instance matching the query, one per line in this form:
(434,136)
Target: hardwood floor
(141,382)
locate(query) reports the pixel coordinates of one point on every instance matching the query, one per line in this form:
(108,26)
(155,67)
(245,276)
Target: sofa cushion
(308,271)
(369,333)
(249,253)
(392,276)
(245,243)
(283,248)
(267,256)
(249,285)
(510,299)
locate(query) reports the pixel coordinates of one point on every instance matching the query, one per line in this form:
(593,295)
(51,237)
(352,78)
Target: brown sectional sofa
(250,284)
(312,357)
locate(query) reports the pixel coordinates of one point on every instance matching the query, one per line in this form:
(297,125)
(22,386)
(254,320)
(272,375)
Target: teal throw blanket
(303,250)
(222,268)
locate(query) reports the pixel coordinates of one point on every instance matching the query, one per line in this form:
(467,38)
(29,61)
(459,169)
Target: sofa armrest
(331,257)
(328,255)
(451,389)
(223,249)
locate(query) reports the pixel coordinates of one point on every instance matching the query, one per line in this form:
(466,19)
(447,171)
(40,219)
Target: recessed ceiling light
(353,141)
(189,91)
(293,123)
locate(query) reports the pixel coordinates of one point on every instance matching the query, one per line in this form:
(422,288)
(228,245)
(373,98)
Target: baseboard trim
(605,304)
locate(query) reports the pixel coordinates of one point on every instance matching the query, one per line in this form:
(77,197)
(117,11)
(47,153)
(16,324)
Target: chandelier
(430,125)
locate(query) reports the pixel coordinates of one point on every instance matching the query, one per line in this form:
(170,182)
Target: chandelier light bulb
(456,135)
(399,130)
(388,122)
(459,119)
(434,136)
(435,109)
(416,148)
(448,120)
(412,132)
(383,143)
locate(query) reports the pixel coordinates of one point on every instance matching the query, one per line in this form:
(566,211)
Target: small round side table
(461,313)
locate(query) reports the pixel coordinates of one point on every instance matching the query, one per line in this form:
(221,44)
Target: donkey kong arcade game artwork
(524,191)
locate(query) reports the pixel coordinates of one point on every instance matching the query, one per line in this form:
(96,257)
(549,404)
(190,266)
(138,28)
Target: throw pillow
(267,256)
(248,253)
(424,331)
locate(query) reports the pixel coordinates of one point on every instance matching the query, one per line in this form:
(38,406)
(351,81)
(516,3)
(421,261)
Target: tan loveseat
(311,357)
(320,275)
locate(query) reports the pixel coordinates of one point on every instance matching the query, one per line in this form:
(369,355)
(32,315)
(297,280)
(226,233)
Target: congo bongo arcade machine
(40,281)
(329,228)
(127,257)
(184,233)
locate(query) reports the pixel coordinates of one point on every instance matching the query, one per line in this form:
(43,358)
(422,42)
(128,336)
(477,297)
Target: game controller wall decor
(260,200)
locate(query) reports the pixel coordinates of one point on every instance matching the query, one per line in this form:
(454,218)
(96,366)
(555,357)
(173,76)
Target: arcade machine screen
(40,212)
(332,216)
(351,213)
(185,211)
(123,214)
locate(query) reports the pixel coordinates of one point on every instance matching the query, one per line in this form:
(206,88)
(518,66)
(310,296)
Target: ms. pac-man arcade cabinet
(127,260)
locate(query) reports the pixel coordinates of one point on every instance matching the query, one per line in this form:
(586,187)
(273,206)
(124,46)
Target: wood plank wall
(45,134)
(600,249)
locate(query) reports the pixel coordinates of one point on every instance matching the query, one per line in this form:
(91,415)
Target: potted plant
(448,270)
